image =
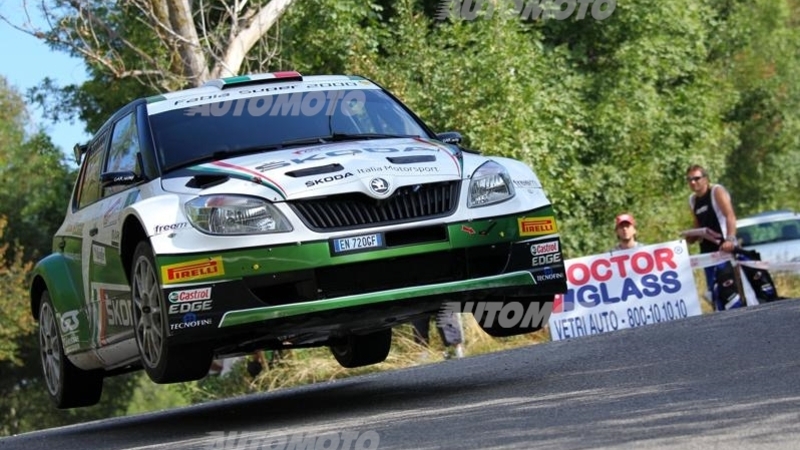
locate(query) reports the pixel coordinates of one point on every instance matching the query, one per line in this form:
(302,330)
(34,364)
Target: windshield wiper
(356,136)
(340,137)
(223,154)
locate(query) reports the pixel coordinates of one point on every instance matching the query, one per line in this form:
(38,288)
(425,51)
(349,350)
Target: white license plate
(355,243)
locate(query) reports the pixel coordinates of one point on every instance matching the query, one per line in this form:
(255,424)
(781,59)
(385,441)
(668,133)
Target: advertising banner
(625,289)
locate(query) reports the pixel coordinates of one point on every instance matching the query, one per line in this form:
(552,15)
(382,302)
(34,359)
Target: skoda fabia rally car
(277,211)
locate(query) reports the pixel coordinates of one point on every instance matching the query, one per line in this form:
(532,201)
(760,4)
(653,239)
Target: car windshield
(762,233)
(212,131)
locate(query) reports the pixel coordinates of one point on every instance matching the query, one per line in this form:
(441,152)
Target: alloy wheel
(50,348)
(147,306)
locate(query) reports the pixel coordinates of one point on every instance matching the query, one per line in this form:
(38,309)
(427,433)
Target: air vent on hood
(411,159)
(206,181)
(315,171)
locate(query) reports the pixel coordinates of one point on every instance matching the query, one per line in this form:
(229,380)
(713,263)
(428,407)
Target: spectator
(450,330)
(711,208)
(625,229)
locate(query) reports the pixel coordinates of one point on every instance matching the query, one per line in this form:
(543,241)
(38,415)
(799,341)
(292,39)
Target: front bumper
(306,288)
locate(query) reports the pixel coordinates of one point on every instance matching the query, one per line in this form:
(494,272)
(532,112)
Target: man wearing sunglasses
(711,208)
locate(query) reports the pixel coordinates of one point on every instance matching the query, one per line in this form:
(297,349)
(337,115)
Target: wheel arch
(132,233)
(52,274)
(38,286)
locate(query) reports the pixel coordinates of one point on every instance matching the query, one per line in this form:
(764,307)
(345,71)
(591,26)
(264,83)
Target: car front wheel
(164,363)
(67,385)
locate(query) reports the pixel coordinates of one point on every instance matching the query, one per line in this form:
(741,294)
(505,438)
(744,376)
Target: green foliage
(760,41)
(113,80)
(605,112)
(645,127)
(608,113)
(148,396)
(329,35)
(92,102)
(35,186)
(16,319)
(35,182)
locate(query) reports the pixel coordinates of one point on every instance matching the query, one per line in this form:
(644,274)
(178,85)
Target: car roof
(766,217)
(217,85)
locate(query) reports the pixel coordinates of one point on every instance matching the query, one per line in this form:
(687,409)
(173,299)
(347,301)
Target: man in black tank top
(711,208)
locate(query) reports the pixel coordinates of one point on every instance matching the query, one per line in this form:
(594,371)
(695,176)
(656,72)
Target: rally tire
(163,362)
(67,385)
(498,331)
(362,350)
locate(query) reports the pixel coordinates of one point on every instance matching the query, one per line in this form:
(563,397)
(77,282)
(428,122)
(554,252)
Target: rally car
(277,211)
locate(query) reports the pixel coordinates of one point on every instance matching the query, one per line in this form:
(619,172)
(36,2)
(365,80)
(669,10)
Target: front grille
(356,210)
(378,275)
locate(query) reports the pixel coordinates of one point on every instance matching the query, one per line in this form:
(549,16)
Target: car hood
(783,251)
(373,167)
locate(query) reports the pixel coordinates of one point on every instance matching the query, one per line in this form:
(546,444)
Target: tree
(603,111)
(35,181)
(16,320)
(34,192)
(759,44)
(646,67)
(136,48)
(197,41)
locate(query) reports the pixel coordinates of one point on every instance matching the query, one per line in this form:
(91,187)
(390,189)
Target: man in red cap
(626,232)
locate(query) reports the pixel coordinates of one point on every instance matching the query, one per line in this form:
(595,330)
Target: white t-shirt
(619,246)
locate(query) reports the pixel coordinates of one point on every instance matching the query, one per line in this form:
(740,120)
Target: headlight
(490,184)
(229,214)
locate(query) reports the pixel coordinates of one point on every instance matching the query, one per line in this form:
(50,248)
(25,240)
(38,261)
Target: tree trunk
(243,41)
(195,66)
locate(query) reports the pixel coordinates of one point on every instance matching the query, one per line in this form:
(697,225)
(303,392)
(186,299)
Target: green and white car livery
(277,211)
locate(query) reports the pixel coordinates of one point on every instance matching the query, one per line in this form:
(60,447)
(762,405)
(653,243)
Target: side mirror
(78,151)
(124,178)
(450,137)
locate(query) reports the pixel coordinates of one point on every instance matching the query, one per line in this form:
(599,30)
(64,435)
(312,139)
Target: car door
(110,289)
(71,241)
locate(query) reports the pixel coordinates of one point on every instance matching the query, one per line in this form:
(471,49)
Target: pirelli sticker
(192,270)
(536,226)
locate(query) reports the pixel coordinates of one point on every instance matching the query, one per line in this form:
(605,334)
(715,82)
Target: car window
(89,191)
(777,231)
(387,118)
(123,150)
(194,132)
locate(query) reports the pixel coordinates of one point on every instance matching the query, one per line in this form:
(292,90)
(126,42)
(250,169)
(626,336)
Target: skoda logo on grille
(379,185)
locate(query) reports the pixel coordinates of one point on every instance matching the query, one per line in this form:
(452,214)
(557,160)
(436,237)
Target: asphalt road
(727,380)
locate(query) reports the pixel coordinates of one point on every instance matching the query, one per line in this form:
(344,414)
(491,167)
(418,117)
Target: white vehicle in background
(774,234)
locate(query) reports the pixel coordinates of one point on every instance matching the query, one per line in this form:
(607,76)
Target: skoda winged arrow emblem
(379,185)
